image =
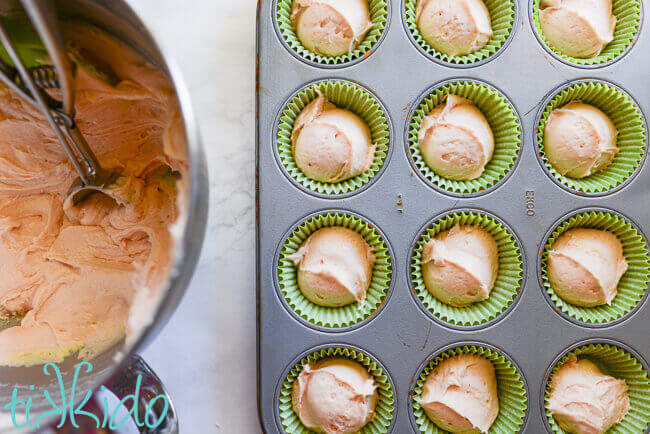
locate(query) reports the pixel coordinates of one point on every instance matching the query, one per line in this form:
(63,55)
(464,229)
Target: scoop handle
(43,16)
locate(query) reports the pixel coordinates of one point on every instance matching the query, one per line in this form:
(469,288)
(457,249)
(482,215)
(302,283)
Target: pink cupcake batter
(72,275)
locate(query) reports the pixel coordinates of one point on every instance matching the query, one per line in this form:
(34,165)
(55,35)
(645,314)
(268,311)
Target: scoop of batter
(334,267)
(578,28)
(456,140)
(460,394)
(331,144)
(331,27)
(579,140)
(583,400)
(73,276)
(585,266)
(454,27)
(334,396)
(460,265)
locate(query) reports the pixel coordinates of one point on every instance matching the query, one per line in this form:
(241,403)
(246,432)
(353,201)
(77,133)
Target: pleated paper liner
(344,316)
(632,286)
(511,390)
(344,95)
(384,410)
(506,287)
(629,122)
(628,21)
(502,16)
(503,121)
(379,13)
(621,364)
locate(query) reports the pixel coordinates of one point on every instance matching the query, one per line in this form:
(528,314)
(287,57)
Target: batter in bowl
(73,275)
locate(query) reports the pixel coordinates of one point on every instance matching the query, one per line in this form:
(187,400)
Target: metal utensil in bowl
(32,85)
(118,18)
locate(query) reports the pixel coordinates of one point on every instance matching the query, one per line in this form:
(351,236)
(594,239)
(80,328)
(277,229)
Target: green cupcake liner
(344,316)
(25,39)
(620,364)
(384,410)
(632,286)
(511,389)
(502,16)
(503,121)
(347,96)
(379,13)
(628,21)
(506,287)
(629,122)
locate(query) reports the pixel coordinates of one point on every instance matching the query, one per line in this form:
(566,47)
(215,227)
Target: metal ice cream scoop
(32,83)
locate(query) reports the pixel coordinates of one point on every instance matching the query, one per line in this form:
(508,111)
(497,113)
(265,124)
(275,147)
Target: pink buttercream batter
(460,395)
(73,274)
(583,400)
(334,396)
(331,27)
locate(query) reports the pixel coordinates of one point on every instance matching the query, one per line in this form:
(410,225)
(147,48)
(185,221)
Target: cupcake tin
(401,203)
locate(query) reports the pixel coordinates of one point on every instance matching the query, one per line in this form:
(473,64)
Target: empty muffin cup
(502,17)
(344,95)
(631,141)
(384,409)
(504,123)
(379,15)
(333,318)
(511,389)
(619,363)
(633,284)
(628,23)
(508,283)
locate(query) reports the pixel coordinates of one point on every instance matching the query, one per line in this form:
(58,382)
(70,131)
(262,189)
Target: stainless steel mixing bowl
(119,367)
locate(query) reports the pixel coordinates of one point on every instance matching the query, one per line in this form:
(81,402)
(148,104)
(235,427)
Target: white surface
(206,353)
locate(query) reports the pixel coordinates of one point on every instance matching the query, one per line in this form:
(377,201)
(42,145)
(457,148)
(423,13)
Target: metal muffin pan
(401,336)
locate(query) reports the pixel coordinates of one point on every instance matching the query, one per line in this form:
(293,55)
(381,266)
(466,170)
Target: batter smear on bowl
(74,275)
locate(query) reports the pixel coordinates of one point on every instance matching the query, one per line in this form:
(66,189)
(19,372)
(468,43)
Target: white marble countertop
(206,353)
